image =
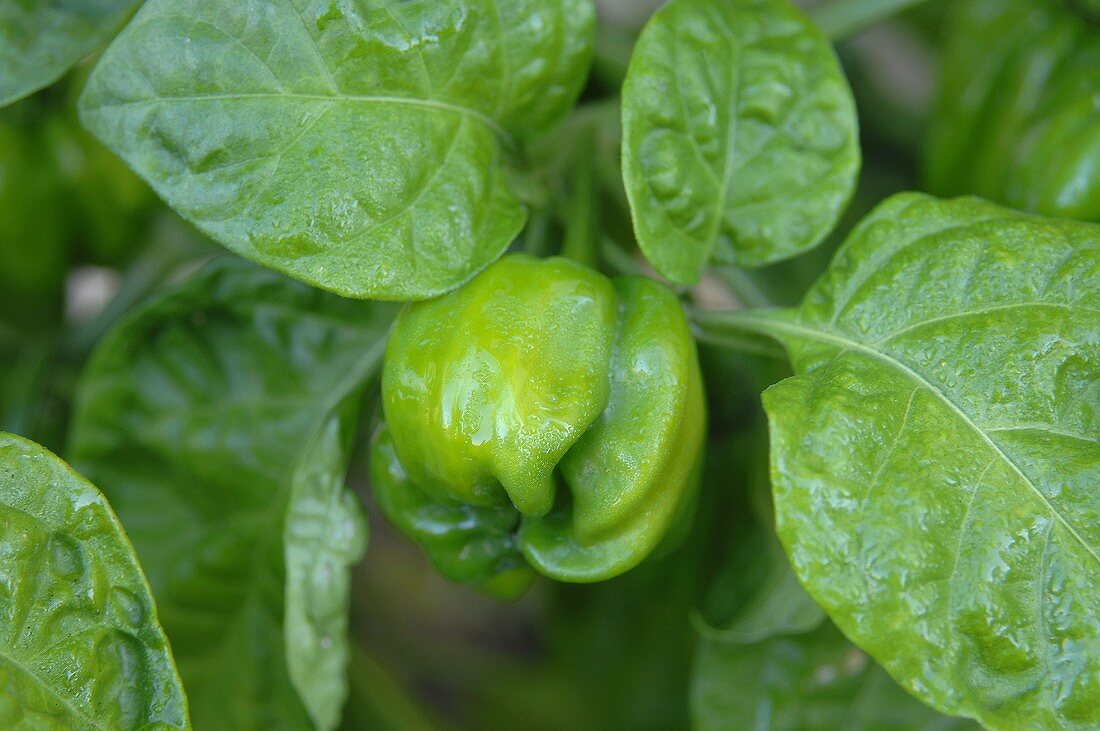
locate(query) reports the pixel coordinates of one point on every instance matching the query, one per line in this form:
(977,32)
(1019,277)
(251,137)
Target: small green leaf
(739,135)
(80,645)
(216,419)
(809,682)
(365,148)
(935,460)
(325,535)
(41,39)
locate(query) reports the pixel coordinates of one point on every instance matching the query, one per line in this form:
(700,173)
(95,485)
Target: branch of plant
(744,287)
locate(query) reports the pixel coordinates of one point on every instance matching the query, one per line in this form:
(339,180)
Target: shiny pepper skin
(542,416)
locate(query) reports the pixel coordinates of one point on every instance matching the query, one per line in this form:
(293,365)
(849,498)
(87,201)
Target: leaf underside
(41,39)
(935,460)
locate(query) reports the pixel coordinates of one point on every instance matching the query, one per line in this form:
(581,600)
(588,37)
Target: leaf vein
(312,43)
(976,312)
(331,98)
(952,579)
(772,325)
(6,655)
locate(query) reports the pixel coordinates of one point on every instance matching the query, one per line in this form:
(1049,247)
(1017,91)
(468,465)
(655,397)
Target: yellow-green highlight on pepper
(543,416)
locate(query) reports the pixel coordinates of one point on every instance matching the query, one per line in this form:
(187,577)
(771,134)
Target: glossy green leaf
(216,419)
(365,147)
(766,657)
(935,460)
(807,682)
(41,39)
(739,135)
(1016,119)
(80,644)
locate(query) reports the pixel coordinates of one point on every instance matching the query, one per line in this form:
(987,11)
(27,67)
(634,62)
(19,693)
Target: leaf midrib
(773,326)
(381,99)
(5,653)
(728,164)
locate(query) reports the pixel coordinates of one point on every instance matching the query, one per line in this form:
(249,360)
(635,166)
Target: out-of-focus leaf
(807,682)
(366,148)
(113,209)
(1088,9)
(1016,117)
(739,135)
(41,39)
(935,458)
(215,418)
(80,644)
(34,228)
(778,606)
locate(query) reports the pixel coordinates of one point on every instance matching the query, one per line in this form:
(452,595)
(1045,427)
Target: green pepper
(1016,117)
(543,416)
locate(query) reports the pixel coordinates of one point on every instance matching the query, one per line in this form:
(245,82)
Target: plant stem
(29,378)
(582,210)
(746,331)
(618,260)
(722,323)
(841,18)
(744,287)
(536,237)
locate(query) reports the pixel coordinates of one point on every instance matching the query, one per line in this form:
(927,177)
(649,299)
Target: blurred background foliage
(686,638)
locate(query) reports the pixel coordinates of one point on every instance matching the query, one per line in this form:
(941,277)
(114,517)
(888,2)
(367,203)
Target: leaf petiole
(739,330)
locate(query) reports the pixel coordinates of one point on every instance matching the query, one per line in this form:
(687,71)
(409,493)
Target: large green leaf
(808,682)
(935,461)
(217,419)
(363,146)
(766,657)
(80,645)
(41,39)
(739,135)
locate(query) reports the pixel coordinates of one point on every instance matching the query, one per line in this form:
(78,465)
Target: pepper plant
(668,396)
